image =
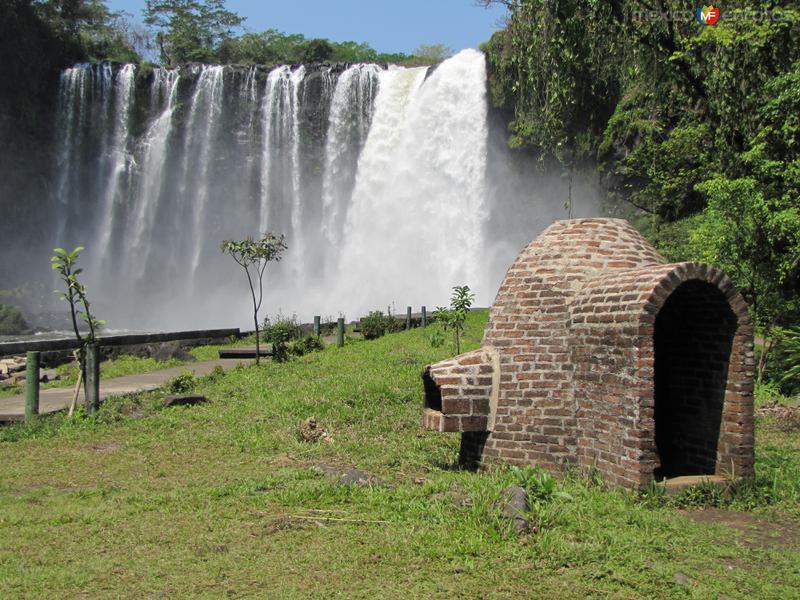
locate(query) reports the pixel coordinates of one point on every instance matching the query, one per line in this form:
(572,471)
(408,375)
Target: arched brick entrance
(693,337)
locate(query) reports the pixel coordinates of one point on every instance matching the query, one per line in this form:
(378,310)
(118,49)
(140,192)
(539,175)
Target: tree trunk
(258,344)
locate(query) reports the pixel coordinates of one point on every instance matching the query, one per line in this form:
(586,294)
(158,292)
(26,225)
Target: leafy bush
(376,324)
(305,345)
(783,364)
(11,321)
(279,332)
(182,383)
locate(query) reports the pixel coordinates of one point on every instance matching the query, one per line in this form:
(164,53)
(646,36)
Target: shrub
(182,383)
(376,324)
(279,332)
(11,321)
(305,345)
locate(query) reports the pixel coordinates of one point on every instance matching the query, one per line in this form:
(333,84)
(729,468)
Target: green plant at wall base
(453,318)
(253,256)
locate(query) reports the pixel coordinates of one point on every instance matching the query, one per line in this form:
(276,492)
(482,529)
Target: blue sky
(387,25)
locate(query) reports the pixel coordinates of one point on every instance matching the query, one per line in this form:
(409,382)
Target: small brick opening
(433,394)
(693,338)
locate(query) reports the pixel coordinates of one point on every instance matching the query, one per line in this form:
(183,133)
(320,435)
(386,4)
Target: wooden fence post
(32,385)
(408,318)
(340,332)
(424,317)
(317,328)
(92,378)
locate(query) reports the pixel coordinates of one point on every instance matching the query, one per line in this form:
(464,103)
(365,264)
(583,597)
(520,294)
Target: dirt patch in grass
(780,417)
(755,531)
(108,447)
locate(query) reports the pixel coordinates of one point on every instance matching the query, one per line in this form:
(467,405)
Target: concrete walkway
(12,408)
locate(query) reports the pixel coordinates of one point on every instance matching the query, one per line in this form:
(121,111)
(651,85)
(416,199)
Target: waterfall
(418,203)
(350,119)
(391,185)
(151,177)
(118,153)
(280,152)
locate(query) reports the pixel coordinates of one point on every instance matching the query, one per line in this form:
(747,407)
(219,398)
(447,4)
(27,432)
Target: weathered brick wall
(458,392)
(573,329)
(612,340)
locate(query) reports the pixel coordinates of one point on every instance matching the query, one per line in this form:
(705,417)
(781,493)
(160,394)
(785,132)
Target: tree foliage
(190,30)
(695,126)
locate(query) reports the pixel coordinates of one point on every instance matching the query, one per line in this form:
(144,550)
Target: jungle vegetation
(693,126)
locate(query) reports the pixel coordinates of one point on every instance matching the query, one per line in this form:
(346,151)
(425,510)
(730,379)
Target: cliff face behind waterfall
(391,184)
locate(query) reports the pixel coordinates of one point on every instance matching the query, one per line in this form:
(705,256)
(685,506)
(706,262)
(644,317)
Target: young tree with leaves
(253,256)
(453,318)
(75,295)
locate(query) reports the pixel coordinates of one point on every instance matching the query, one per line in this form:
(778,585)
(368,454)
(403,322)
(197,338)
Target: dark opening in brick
(693,339)
(433,395)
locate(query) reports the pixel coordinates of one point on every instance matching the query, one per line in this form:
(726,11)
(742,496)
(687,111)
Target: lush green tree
(756,240)
(317,51)
(694,126)
(353,52)
(254,256)
(190,30)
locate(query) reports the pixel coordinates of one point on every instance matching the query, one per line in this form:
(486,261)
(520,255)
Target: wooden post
(424,317)
(408,318)
(340,332)
(317,326)
(32,385)
(92,378)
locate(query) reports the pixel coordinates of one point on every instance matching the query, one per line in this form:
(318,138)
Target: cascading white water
(280,148)
(118,153)
(210,97)
(350,118)
(415,227)
(385,181)
(150,182)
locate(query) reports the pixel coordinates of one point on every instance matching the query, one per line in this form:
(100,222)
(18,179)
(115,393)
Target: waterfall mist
(391,185)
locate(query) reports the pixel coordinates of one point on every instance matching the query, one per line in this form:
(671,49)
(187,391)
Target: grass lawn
(221,500)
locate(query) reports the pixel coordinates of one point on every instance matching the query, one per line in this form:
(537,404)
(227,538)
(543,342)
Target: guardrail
(21,347)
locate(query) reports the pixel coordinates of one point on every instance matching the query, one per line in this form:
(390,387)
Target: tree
(75,295)
(432,53)
(756,240)
(256,254)
(453,318)
(190,30)
(317,51)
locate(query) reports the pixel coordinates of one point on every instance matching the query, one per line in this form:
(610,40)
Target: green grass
(221,500)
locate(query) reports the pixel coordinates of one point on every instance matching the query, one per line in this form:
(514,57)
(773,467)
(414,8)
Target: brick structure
(598,353)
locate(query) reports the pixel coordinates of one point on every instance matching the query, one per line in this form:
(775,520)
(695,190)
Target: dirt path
(51,400)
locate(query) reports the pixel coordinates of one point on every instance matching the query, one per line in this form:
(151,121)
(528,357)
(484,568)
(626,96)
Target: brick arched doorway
(693,340)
